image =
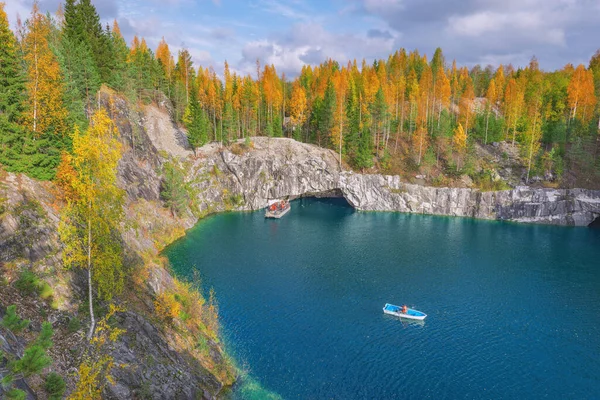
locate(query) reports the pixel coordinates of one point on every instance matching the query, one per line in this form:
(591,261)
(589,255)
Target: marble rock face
(278,168)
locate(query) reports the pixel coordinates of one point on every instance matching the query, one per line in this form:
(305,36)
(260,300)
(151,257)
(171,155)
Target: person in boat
(404,309)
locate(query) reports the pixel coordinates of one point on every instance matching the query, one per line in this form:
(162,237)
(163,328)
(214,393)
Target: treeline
(430,112)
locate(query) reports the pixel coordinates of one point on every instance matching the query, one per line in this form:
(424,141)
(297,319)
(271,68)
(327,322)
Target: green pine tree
(364,156)
(352,137)
(173,189)
(120,51)
(34,360)
(45,337)
(325,114)
(196,122)
(81,78)
(82,25)
(55,386)
(12,321)
(277,126)
(12,89)
(228,122)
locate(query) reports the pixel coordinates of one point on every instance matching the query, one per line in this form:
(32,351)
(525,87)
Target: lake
(513,310)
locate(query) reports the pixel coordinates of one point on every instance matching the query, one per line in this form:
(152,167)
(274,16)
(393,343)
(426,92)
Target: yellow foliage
(94,372)
(163,54)
(443,89)
(460,139)
(298,105)
(167,306)
(87,385)
(65,178)
(581,97)
(94,207)
(46,113)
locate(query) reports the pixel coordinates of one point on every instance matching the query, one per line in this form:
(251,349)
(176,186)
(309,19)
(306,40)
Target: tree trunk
(514,132)
(420,146)
(90,294)
(487,123)
(410,117)
(215,121)
(341,127)
(402,115)
(35,90)
(531,149)
(376,136)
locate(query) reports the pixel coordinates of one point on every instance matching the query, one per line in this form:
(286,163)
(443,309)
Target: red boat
(277,209)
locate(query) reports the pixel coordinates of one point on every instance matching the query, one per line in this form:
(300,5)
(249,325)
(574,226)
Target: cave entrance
(595,223)
(334,196)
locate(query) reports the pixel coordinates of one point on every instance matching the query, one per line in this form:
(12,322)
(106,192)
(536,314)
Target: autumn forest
(405,115)
(99,228)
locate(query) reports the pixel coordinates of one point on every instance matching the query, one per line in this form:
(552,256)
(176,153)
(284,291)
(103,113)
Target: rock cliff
(248,177)
(156,360)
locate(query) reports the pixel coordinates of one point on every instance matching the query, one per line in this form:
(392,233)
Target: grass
(484,182)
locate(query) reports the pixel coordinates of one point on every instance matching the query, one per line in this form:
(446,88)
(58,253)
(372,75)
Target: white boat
(397,311)
(277,208)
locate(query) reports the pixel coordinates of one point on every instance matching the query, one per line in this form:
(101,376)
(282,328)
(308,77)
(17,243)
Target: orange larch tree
(490,104)
(466,102)
(340,84)
(423,103)
(163,54)
(513,102)
(581,96)
(443,92)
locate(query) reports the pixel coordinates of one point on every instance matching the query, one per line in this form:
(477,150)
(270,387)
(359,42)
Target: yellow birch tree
(89,222)
(46,112)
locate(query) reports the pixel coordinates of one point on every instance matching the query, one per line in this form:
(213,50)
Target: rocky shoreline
(280,168)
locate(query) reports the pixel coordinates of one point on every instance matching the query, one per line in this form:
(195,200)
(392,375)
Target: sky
(292,33)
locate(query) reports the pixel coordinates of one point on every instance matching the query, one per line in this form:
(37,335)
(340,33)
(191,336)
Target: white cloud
(17,8)
(280,8)
(530,25)
(377,6)
(311,43)
(478,31)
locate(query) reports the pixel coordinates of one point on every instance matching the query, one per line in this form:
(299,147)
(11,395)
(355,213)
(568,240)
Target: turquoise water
(513,310)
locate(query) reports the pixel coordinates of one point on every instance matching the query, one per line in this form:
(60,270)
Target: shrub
(12,322)
(33,361)
(45,290)
(15,394)
(45,338)
(237,149)
(74,325)
(483,181)
(55,386)
(27,283)
(167,305)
